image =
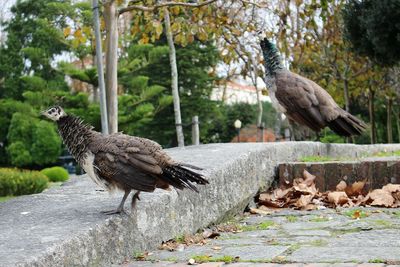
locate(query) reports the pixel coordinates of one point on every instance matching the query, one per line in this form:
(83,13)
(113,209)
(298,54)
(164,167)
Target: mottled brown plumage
(122,161)
(304,101)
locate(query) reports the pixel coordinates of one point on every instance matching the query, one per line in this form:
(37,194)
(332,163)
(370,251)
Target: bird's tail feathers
(347,125)
(181,177)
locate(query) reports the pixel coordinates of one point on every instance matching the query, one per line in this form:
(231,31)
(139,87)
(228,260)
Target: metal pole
(195,131)
(238,135)
(100,70)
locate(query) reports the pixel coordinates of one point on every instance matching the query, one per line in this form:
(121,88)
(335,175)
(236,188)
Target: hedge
(56,174)
(21,182)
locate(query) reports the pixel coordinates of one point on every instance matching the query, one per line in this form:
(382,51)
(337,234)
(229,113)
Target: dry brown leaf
(381,197)
(310,206)
(355,189)
(259,211)
(303,201)
(308,178)
(392,188)
(341,186)
(282,193)
(338,198)
(207,233)
(265,197)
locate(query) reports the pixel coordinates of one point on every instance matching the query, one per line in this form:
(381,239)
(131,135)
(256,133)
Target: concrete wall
(65,227)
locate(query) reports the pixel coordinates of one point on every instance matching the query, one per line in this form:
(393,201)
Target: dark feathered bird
(304,101)
(121,161)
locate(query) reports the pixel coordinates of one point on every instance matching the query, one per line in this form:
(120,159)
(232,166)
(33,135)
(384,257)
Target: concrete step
(377,171)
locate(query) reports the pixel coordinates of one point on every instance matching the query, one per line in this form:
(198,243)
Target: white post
(195,131)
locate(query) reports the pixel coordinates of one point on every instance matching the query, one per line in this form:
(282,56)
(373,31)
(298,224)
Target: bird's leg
(134,198)
(120,208)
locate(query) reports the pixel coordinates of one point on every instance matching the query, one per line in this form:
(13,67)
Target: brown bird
(304,101)
(119,161)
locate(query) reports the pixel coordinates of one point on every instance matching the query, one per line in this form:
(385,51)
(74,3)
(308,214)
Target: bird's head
(54,113)
(266,45)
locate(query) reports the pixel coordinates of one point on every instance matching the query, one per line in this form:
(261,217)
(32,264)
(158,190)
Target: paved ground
(296,238)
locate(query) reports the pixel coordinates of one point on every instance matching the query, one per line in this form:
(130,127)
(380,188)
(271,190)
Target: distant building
(237,92)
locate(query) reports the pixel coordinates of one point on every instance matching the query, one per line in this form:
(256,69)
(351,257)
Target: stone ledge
(64,227)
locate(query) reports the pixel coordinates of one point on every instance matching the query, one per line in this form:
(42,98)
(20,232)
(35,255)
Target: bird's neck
(273,62)
(76,135)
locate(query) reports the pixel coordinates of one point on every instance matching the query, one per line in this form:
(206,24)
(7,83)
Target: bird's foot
(111,212)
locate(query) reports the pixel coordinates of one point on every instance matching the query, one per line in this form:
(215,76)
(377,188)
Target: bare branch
(253,3)
(166,4)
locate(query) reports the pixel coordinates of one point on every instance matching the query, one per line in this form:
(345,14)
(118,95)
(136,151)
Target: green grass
(173,259)
(319,219)
(387,154)
(292,218)
(376,261)
(397,214)
(261,226)
(6,198)
(317,159)
(383,223)
(207,258)
(352,213)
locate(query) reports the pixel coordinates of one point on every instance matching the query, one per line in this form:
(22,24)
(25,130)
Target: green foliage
(46,143)
(21,182)
(56,174)
(34,37)
(373,29)
(31,141)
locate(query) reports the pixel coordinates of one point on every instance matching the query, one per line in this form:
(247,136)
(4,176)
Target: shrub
(21,182)
(56,174)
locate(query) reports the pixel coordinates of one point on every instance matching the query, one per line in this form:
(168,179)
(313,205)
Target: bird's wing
(301,99)
(131,161)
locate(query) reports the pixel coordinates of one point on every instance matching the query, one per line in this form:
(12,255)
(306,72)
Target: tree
(34,38)
(373,29)
(192,19)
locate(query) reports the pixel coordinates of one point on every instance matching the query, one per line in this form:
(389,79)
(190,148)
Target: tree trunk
(111,22)
(98,60)
(346,95)
(398,126)
(174,79)
(259,103)
(371,111)
(389,120)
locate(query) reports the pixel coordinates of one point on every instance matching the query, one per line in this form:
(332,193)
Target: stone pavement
(296,238)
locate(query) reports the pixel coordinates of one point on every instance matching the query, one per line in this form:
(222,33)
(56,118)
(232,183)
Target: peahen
(119,161)
(304,101)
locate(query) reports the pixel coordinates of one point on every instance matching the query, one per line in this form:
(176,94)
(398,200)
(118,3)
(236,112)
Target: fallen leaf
(259,211)
(381,197)
(338,198)
(356,215)
(265,197)
(303,201)
(341,186)
(280,193)
(207,233)
(216,248)
(355,189)
(308,178)
(391,188)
